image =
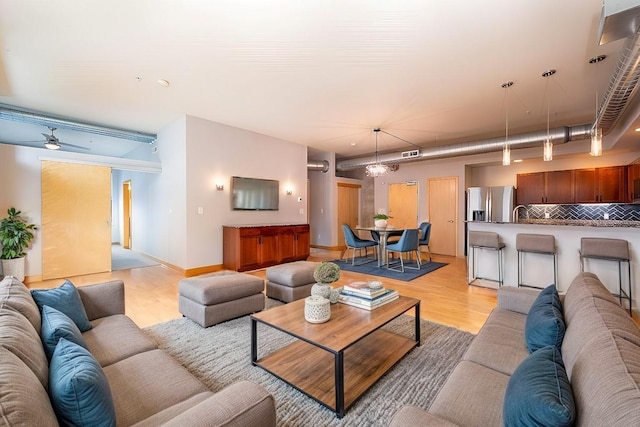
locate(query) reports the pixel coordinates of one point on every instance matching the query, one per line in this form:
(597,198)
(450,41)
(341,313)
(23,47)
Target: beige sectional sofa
(148,387)
(600,351)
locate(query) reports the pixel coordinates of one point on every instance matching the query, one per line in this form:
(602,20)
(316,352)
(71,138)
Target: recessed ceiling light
(637,129)
(163,82)
(517,161)
(353,144)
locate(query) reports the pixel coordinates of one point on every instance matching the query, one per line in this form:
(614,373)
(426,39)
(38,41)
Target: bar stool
(609,250)
(544,244)
(486,240)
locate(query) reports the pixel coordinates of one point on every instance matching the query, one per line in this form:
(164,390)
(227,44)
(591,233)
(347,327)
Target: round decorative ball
(317,309)
(321,289)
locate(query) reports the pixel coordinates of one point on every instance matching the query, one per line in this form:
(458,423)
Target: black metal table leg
(339,374)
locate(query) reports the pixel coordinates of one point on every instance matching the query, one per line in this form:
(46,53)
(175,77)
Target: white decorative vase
(317,309)
(380,223)
(321,289)
(14,267)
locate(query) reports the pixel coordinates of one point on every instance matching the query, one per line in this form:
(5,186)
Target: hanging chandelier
(596,132)
(506,150)
(377,168)
(547,152)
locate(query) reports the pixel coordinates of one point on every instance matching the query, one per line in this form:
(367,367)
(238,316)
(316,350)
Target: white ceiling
(318,73)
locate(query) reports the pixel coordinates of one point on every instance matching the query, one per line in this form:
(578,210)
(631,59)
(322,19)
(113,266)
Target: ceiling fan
(53,143)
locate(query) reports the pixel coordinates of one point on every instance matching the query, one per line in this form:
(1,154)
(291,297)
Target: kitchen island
(538,268)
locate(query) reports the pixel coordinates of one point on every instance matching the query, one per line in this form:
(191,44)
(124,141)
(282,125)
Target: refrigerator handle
(488,206)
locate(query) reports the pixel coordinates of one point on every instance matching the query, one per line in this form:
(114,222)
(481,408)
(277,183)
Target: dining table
(384,232)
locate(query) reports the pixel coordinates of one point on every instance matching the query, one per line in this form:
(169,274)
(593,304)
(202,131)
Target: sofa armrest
(241,404)
(103,299)
(516,299)
(411,416)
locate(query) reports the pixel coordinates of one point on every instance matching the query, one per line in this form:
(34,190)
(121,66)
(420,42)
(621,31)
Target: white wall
(321,203)
(214,153)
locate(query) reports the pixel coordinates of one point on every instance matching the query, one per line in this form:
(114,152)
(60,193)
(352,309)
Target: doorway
(348,208)
(76,219)
(403,205)
(443,215)
(126,214)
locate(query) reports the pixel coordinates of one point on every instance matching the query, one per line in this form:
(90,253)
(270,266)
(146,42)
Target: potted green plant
(15,236)
(380,220)
(325,273)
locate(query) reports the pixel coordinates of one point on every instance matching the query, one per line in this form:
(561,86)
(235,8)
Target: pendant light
(377,168)
(596,132)
(547,152)
(506,150)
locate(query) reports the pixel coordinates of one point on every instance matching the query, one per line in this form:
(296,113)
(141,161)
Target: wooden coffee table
(337,361)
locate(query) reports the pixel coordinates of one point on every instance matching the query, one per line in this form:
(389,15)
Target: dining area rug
(373,269)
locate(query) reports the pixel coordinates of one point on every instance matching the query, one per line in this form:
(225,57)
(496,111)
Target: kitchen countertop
(575,222)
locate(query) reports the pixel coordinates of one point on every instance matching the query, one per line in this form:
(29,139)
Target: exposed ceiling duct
(621,86)
(8,112)
(618,20)
(530,139)
(320,165)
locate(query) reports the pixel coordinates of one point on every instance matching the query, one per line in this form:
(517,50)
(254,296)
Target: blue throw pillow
(539,393)
(56,325)
(65,299)
(78,388)
(545,323)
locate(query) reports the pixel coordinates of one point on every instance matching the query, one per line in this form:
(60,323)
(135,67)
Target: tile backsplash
(616,211)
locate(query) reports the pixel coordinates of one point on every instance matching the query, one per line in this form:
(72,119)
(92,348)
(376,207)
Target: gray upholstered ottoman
(216,297)
(291,281)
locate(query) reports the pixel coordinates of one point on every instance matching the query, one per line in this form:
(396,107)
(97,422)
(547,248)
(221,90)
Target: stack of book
(360,294)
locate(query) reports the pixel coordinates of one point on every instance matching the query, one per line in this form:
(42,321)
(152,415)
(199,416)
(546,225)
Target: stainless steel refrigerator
(490,204)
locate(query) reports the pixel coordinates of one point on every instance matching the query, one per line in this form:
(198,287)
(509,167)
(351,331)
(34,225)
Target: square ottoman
(291,281)
(216,297)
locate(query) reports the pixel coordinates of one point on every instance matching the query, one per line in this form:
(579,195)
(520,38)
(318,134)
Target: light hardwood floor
(151,293)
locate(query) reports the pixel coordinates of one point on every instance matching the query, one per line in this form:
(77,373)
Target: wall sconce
(289,192)
(219,187)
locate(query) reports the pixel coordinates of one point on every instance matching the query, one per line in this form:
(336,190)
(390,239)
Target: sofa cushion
(19,337)
(56,325)
(539,393)
(79,390)
(118,329)
(606,382)
(23,399)
(471,396)
(139,393)
(498,347)
(66,299)
(545,325)
(582,290)
(596,316)
(16,296)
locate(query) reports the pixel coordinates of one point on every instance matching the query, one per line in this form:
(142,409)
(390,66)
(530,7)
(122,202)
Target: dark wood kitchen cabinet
(253,247)
(601,185)
(553,187)
(633,175)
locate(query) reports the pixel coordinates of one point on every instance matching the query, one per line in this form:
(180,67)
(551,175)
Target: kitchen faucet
(515,213)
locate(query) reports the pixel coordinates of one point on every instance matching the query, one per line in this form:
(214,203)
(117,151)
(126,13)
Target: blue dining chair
(355,243)
(425,234)
(408,243)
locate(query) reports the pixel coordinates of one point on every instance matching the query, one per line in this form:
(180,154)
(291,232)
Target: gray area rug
(125,259)
(221,355)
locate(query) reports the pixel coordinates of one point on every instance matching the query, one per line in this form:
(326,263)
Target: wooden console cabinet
(248,247)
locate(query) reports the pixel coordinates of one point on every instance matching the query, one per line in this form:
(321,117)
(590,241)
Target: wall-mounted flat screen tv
(253,194)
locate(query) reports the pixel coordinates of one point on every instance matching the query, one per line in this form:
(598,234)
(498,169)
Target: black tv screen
(253,194)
